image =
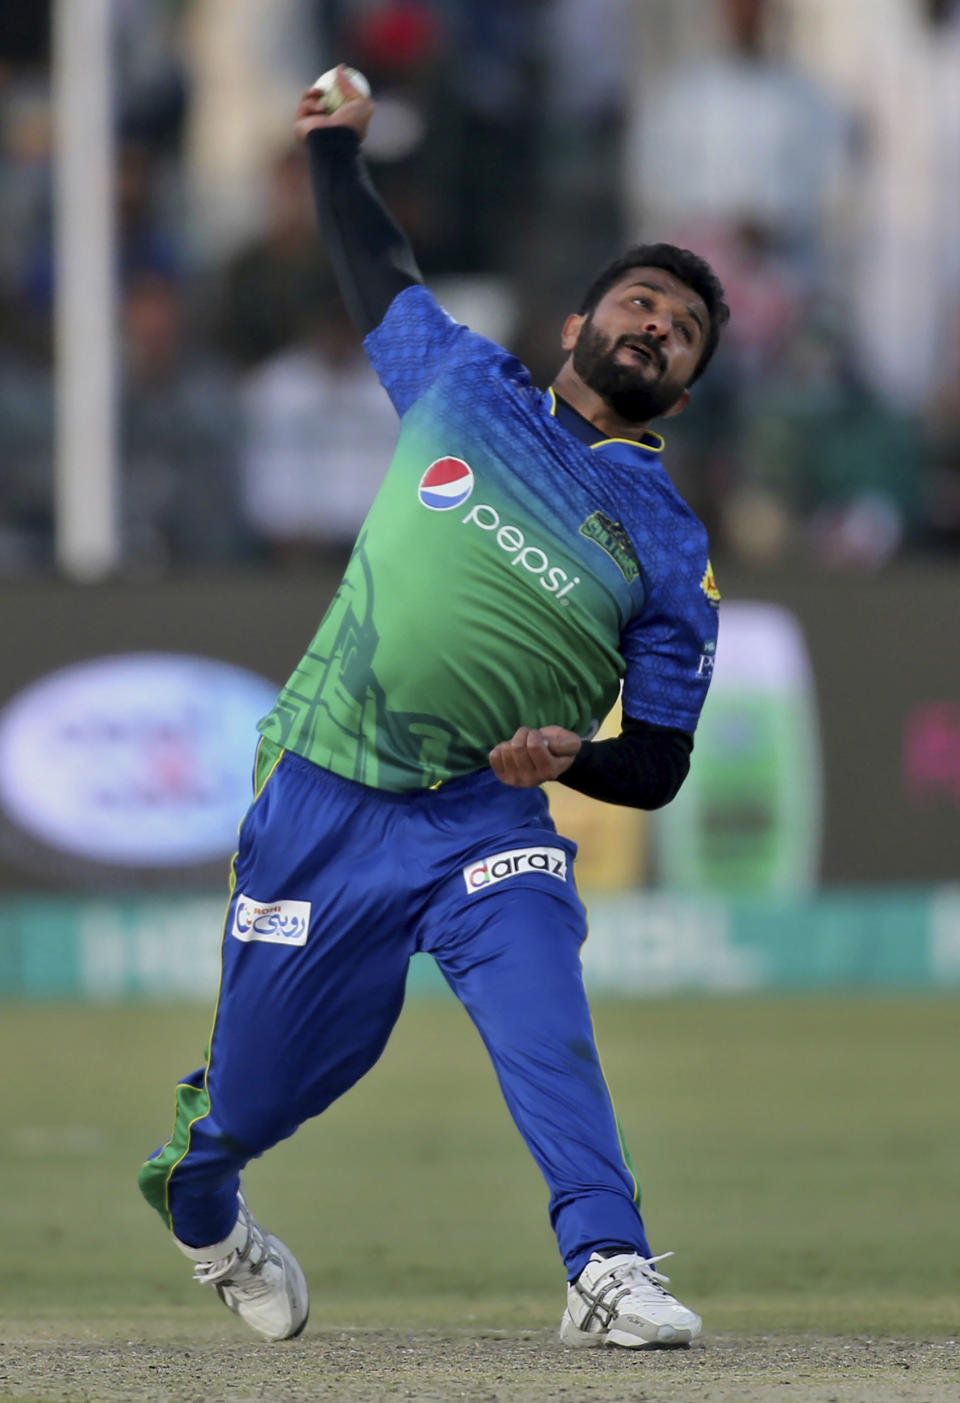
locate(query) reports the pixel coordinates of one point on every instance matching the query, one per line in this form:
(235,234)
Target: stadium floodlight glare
(85,493)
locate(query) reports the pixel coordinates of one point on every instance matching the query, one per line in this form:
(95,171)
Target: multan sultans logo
(709,585)
(611,537)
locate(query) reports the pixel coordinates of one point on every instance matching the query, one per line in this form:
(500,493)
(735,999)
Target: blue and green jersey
(508,574)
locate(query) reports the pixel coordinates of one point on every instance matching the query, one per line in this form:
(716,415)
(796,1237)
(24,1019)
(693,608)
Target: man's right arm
(371,256)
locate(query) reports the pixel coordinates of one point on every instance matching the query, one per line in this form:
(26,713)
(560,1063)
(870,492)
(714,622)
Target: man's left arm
(669,652)
(642,768)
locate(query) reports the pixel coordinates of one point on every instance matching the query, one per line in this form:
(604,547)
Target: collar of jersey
(650,443)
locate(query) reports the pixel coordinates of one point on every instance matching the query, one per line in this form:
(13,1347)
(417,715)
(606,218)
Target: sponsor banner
(130,761)
(516,862)
(750,815)
(101,795)
(640,945)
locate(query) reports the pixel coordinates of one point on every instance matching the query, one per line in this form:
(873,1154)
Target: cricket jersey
(508,574)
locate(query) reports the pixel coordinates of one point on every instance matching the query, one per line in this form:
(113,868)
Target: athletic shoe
(622,1301)
(258,1278)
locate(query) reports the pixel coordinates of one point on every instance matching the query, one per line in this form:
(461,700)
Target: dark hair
(688,267)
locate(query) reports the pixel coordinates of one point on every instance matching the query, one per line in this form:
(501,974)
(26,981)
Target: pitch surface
(800,1156)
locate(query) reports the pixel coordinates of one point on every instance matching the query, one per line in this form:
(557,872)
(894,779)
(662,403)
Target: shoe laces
(242,1269)
(642,1267)
(633,1272)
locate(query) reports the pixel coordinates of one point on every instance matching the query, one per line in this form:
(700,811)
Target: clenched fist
(533,756)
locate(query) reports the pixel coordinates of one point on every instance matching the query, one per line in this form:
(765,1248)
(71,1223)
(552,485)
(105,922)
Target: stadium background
(811,148)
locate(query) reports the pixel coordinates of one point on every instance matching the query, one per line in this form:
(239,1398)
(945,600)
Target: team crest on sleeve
(611,537)
(447,483)
(709,585)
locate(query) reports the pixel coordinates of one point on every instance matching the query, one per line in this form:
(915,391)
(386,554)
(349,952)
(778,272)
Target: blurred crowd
(809,148)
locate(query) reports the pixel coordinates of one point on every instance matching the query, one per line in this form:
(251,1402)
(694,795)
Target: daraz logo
(478,876)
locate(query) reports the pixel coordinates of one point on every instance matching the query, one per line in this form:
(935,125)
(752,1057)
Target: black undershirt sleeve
(371,256)
(642,768)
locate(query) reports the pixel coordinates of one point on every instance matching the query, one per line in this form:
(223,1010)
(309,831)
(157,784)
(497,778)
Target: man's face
(640,346)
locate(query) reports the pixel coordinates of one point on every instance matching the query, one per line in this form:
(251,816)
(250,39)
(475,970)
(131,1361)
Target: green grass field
(802,1158)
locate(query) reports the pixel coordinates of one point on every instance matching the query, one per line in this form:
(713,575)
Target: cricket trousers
(335,886)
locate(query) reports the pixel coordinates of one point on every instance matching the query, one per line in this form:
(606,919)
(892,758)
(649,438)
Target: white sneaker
(623,1301)
(256,1276)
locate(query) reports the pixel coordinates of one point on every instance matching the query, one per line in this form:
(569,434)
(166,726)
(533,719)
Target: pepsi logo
(447,483)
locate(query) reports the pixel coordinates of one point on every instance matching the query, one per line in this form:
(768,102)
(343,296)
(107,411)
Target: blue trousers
(336,886)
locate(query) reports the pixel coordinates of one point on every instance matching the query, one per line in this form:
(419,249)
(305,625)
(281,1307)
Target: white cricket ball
(329,89)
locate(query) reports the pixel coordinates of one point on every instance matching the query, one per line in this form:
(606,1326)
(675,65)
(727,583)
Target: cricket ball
(329,89)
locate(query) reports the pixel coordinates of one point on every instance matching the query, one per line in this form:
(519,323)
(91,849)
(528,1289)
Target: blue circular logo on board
(140,759)
(447,483)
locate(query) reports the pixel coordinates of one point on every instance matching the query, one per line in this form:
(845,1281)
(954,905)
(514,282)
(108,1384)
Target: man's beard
(635,392)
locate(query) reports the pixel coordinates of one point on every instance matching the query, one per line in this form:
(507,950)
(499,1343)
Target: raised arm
(371,256)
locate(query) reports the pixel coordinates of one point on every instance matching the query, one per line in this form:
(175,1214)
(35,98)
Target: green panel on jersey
(453,626)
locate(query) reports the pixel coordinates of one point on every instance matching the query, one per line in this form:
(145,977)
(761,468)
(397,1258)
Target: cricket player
(525,556)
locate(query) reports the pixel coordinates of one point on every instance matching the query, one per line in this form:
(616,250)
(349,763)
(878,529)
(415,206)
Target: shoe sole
(271,1339)
(300,1328)
(302,1290)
